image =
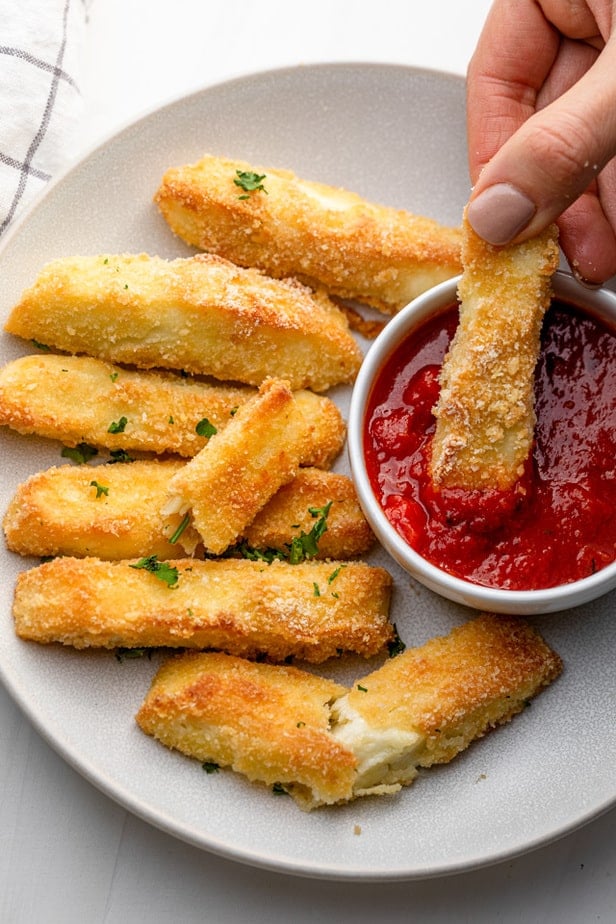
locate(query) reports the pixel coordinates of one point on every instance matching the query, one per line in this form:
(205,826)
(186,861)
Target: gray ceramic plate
(396,135)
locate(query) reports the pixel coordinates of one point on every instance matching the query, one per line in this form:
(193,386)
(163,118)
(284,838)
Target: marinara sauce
(559,524)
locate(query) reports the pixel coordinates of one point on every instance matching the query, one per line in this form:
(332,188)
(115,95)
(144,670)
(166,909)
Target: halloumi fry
(485,413)
(268,722)
(312,610)
(198,314)
(288,514)
(421,707)
(323,235)
(226,484)
(78,399)
(114,512)
(105,511)
(429,703)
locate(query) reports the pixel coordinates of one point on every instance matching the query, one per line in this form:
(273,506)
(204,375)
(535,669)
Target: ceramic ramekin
(601,303)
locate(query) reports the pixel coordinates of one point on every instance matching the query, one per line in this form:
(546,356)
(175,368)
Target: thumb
(550,160)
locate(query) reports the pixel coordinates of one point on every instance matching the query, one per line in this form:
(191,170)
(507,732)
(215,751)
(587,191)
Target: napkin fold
(41,63)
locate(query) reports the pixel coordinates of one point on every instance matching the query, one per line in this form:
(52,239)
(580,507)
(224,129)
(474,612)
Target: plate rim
(113,789)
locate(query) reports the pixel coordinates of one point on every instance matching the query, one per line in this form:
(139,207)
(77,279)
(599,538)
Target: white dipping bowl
(599,302)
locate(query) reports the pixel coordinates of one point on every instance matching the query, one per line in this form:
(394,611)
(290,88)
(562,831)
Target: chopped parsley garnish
(117,426)
(113,376)
(165,572)
(316,589)
(81,453)
(119,455)
(249,182)
(181,527)
(205,428)
(100,489)
(396,646)
(363,689)
(210,767)
(41,346)
(131,654)
(302,547)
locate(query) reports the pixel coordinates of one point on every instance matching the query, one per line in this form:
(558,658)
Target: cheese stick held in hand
(485,413)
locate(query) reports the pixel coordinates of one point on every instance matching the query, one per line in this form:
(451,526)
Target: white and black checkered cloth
(41,55)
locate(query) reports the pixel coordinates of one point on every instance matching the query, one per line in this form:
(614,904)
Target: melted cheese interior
(386,757)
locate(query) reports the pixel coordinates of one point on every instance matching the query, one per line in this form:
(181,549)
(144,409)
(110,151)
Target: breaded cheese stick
(266,721)
(78,399)
(199,314)
(321,234)
(422,707)
(232,478)
(429,703)
(485,415)
(312,610)
(292,511)
(105,511)
(114,512)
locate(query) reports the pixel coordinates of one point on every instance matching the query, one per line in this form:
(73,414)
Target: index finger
(514,55)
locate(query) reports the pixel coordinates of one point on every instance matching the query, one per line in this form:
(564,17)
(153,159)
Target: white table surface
(67,852)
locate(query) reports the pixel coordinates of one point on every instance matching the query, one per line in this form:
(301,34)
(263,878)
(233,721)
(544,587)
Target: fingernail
(499,213)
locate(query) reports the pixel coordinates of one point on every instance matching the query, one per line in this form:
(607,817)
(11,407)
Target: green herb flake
(162,570)
(205,428)
(396,646)
(40,346)
(81,453)
(362,689)
(249,182)
(180,529)
(132,654)
(101,489)
(315,589)
(114,376)
(332,577)
(210,766)
(119,455)
(117,426)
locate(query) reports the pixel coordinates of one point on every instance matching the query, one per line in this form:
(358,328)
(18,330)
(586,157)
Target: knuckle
(566,149)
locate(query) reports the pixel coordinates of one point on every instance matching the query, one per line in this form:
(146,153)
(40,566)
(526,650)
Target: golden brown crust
(75,399)
(61,512)
(312,610)
(226,484)
(106,511)
(268,722)
(485,412)
(320,234)
(279,724)
(199,314)
(453,689)
(348,534)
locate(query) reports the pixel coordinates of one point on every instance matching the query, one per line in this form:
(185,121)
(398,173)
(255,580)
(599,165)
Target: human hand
(541,96)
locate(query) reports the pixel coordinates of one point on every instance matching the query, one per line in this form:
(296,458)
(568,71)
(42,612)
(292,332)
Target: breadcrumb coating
(201,314)
(311,610)
(323,235)
(485,414)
